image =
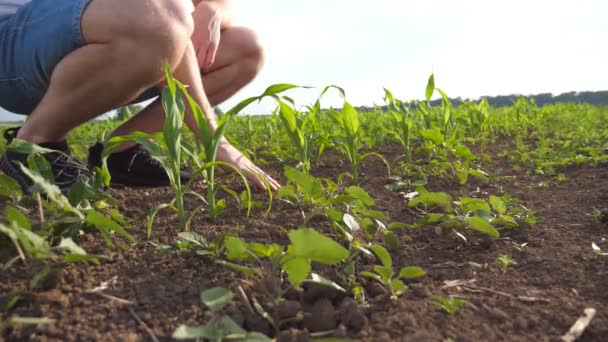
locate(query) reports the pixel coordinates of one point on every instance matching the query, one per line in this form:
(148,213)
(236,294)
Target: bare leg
(238,61)
(125,54)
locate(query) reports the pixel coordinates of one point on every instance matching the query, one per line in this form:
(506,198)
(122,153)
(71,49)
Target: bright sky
(474,47)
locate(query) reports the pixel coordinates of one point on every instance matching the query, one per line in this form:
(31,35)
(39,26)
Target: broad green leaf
(308,243)
(8,186)
(505,221)
(309,185)
(216,298)
(184,332)
(433,135)
(350,120)
(386,273)
(13,215)
(461,151)
(70,246)
(498,204)
(383,255)
(360,194)
(318,279)
(103,223)
(351,223)
(398,225)
(411,272)
(481,225)
(430,198)
(265,251)
(398,286)
(194,238)
(26,147)
(297,270)
(430,87)
(236,248)
(475,204)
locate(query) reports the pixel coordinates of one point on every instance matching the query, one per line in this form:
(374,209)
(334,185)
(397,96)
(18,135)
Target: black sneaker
(66,169)
(133,167)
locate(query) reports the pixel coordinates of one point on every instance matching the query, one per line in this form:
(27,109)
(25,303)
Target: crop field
(411,221)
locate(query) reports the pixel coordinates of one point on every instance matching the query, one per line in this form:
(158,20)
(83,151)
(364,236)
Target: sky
(474,47)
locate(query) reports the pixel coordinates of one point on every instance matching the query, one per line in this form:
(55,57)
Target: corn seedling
(348,139)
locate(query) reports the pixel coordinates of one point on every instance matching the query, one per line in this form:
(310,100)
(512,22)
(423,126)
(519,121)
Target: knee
(252,52)
(161,35)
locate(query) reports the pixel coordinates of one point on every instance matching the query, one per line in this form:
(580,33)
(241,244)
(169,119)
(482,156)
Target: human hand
(229,154)
(207,33)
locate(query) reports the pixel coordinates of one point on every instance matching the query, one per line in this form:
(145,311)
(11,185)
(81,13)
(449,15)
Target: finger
(273,183)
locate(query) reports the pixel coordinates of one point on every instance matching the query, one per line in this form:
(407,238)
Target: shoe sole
(9,169)
(130,181)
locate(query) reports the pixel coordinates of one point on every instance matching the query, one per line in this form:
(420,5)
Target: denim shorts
(32,42)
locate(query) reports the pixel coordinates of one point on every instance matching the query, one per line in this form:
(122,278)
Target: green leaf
(308,243)
(184,332)
(498,204)
(433,135)
(26,147)
(297,270)
(383,255)
(371,275)
(505,221)
(430,198)
(360,194)
(350,120)
(216,298)
(481,225)
(265,251)
(12,214)
(70,246)
(351,223)
(386,273)
(236,248)
(430,87)
(194,238)
(475,205)
(320,280)
(8,186)
(411,272)
(398,225)
(461,151)
(398,286)
(278,88)
(104,224)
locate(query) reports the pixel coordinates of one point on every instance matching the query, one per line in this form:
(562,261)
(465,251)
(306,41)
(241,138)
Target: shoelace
(146,157)
(67,168)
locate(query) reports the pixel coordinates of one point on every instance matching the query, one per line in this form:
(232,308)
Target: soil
(556,277)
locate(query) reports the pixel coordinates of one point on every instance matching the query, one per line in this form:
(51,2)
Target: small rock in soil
(383,337)
(498,314)
(293,335)
(320,317)
(314,292)
(288,309)
(351,315)
(420,290)
(376,289)
(255,322)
